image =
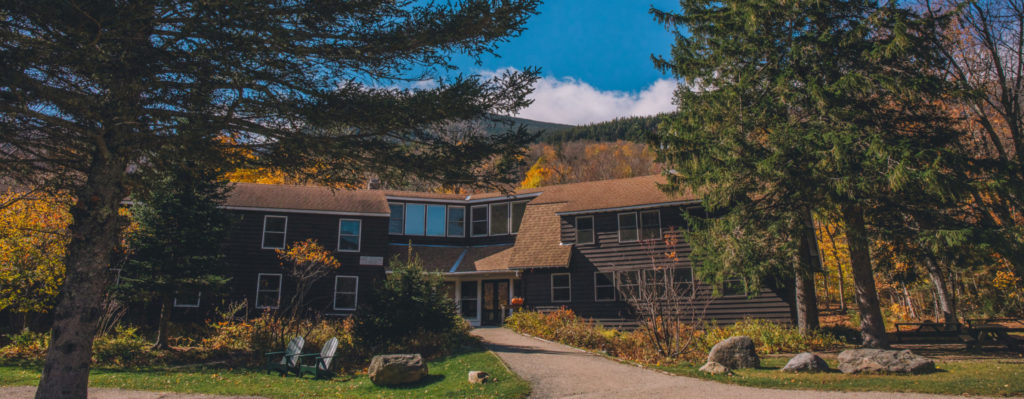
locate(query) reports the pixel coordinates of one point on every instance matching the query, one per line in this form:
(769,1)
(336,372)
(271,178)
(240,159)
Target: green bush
(771,337)
(122,347)
(25,345)
(408,312)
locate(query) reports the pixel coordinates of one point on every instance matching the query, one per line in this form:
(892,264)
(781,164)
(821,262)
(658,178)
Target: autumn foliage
(33,238)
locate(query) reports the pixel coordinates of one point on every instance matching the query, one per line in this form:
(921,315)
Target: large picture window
(499,219)
(435,220)
(604,286)
(346,292)
(468,299)
(561,287)
(479,217)
(275,230)
(414,219)
(584,229)
(396,224)
(268,290)
(518,209)
(349,232)
(456,221)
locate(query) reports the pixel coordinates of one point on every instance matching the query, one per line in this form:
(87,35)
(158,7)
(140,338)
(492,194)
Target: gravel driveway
(559,371)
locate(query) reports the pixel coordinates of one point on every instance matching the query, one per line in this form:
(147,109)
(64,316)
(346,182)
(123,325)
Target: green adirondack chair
(289,361)
(321,367)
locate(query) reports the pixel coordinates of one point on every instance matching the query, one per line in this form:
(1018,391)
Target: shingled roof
(306,198)
(539,243)
(456,259)
(609,194)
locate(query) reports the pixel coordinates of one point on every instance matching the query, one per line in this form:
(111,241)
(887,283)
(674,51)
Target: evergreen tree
(792,108)
(91,92)
(175,251)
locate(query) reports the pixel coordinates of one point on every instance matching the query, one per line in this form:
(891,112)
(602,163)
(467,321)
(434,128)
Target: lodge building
(575,245)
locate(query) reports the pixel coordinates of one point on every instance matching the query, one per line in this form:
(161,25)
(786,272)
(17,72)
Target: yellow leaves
(308,252)
(32,243)
(538,175)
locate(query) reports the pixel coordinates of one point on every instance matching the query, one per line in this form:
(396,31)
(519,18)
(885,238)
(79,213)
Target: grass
(446,378)
(990,377)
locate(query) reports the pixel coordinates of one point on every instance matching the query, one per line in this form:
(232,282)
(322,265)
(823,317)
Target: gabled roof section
(539,241)
(609,194)
(285,197)
(456,259)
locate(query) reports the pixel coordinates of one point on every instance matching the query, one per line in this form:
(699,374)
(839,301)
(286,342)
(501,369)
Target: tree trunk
(942,295)
(94,236)
(806,298)
(166,306)
(872,328)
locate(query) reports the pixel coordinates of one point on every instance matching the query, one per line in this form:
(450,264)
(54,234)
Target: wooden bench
(928,330)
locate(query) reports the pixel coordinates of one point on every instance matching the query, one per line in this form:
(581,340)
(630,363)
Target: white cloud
(571,101)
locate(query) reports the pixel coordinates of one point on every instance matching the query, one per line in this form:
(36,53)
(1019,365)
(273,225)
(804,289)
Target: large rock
(735,353)
(805,362)
(715,368)
(883,361)
(478,377)
(397,369)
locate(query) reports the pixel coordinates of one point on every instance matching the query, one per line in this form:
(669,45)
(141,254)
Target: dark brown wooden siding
(607,254)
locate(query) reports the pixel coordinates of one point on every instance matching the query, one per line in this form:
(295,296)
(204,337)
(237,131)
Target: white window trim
(640,227)
(464,220)
(334,300)
(511,216)
(553,287)
(508,221)
(263,238)
(426,220)
(405,219)
(593,229)
(618,280)
(199,298)
(402,204)
(259,278)
(359,235)
(615,288)
(618,222)
(471,220)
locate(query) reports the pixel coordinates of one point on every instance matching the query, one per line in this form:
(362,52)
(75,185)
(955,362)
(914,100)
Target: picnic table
(996,330)
(927,329)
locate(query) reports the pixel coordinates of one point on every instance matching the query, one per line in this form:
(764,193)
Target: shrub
(270,333)
(409,311)
(25,345)
(123,347)
(771,337)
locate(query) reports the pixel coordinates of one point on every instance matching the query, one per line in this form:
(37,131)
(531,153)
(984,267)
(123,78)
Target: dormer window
(584,229)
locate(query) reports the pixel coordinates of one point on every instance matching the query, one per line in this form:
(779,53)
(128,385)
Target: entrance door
(495,297)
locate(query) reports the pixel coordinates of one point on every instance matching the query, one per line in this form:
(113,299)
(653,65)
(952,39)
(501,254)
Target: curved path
(559,371)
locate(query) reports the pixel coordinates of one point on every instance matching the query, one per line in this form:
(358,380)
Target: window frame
(280,281)
(593,230)
(512,216)
(447,224)
(405,226)
(568,278)
(508,219)
(355,294)
(614,286)
(637,274)
(475,298)
(640,225)
(284,233)
(636,225)
(472,223)
(391,217)
(199,299)
(426,220)
(359,235)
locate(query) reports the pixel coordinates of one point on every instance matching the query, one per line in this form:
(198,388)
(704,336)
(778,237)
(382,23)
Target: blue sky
(595,60)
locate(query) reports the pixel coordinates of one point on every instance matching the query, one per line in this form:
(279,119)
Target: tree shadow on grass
(426,381)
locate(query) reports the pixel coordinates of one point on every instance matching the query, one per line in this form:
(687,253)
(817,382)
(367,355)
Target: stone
(478,377)
(854,361)
(735,353)
(805,362)
(715,368)
(397,369)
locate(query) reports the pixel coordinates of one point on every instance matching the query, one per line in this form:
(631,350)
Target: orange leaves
(32,244)
(308,253)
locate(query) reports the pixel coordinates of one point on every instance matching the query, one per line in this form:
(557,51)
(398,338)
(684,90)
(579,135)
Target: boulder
(478,377)
(715,368)
(735,353)
(883,361)
(397,369)
(805,362)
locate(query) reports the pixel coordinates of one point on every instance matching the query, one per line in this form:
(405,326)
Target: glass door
(495,297)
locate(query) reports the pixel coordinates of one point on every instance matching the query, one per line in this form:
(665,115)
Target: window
(682,280)
(349,235)
(479,214)
(627,227)
(584,229)
(629,284)
(435,220)
(274,231)
(561,287)
(604,286)
(396,225)
(655,283)
(518,209)
(414,218)
(187,299)
(499,219)
(650,225)
(456,221)
(268,291)
(346,292)
(467,303)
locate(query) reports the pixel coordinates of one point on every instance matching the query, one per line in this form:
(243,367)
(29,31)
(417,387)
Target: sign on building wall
(371,260)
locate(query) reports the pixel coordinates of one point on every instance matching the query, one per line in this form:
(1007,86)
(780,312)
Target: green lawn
(992,377)
(447,378)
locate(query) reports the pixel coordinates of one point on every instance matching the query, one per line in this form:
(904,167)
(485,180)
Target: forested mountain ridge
(633,128)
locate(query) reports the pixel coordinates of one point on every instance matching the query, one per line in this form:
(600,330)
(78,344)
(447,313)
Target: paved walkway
(26,392)
(559,371)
